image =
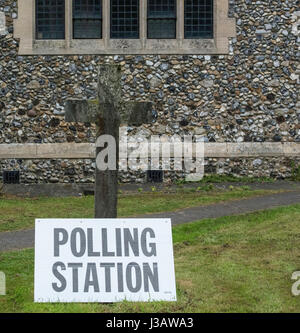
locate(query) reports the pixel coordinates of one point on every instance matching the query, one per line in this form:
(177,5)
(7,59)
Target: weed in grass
(207,187)
(153,189)
(180,182)
(245,188)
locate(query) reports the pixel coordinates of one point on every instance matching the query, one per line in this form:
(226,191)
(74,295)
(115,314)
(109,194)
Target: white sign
(104,260)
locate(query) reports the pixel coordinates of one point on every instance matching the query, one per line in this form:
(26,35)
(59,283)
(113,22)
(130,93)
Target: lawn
(18,213)
(230,264)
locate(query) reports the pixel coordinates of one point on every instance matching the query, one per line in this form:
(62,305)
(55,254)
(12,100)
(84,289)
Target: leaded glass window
(124,19)
(198,19)
(161,18)
(87,19)
(50,19)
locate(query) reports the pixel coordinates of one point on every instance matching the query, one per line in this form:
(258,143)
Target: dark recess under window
(11,177)
(50,19)
(198,19)
(124,20)
(161,19)
(155,176)
(87,19)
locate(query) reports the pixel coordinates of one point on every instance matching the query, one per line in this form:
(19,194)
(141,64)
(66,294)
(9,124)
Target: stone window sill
(121,46)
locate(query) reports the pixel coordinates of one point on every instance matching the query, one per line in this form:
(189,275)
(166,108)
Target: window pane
(87,29)
(161,8)
(161,28)
(198,18)
(87,19)
(50,19)
(161,18)
(87,9)
(124,19)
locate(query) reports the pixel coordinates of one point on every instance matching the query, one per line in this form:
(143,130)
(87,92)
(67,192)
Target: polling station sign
(104,260)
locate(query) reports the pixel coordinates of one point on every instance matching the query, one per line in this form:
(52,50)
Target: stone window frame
(24,29)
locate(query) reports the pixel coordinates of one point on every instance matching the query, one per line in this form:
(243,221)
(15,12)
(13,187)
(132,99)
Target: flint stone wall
(249,95)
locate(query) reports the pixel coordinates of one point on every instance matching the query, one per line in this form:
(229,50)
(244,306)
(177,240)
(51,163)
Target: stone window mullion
(143,21)
(106,21)
(180,21)
(68,22)
(33,11)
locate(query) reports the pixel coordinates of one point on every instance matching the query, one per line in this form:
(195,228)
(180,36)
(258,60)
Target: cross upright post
(108,113)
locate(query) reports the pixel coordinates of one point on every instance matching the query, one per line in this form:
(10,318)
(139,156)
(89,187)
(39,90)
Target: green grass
(17,213)
(214,178)
(230,264)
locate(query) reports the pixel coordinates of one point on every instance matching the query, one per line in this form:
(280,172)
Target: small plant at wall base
(1,190)
(295,171)
(214,178)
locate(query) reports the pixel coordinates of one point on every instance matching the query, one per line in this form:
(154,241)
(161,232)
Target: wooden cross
(108,112)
